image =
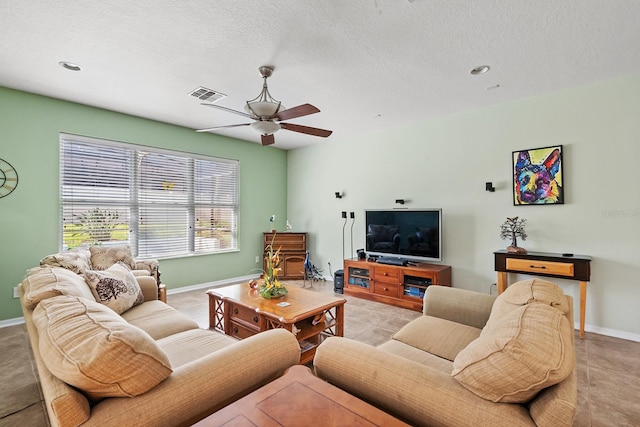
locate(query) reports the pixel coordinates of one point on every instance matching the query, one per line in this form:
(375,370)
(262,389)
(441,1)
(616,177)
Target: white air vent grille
(207,95)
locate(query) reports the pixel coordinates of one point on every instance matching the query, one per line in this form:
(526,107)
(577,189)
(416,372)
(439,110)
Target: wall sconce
(339,195)
(489,187)
(400,201)
(344,214)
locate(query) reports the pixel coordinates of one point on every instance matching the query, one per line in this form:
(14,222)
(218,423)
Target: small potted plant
(511,229)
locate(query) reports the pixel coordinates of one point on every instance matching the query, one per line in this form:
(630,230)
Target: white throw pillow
(116,287)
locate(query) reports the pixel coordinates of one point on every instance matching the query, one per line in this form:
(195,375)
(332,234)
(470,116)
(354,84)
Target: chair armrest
(458,305)
(419,394)
(201,387)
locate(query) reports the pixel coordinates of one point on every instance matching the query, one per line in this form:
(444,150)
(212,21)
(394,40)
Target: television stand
(397,285)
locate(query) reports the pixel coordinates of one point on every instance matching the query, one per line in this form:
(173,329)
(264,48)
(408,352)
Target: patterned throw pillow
(103,257)
(116,287)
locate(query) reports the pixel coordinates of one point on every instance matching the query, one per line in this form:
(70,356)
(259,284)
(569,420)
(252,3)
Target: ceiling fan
(268,114)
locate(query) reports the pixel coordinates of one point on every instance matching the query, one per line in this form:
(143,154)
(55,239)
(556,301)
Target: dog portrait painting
(537,176)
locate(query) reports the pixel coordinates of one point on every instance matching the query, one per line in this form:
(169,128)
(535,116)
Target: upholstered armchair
(81,260)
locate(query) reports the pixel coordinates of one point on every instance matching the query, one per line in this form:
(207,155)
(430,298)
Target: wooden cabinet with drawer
(402,286)
(293,250)
(564,266)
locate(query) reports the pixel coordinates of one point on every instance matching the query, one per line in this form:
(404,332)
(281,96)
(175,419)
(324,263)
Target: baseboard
(11,322)
(215,284)
(610,332)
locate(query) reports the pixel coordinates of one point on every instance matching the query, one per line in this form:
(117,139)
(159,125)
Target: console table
(575,267)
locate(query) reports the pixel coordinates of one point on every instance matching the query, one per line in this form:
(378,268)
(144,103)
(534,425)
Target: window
(162,203)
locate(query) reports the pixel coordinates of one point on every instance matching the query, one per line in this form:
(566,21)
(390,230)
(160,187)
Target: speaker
(338,281)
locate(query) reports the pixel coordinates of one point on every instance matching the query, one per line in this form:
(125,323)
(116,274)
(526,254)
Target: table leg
(502,281)
(340,320)
(583,306)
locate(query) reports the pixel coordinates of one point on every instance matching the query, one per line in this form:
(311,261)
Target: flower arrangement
(271,286)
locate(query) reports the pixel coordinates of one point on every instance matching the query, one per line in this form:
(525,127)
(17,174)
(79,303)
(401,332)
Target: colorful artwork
(537,176)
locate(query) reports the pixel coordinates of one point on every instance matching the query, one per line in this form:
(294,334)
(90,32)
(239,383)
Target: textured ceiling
(366,64)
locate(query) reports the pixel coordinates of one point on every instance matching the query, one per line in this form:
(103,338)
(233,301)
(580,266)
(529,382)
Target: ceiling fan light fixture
(263,109)
(265,127)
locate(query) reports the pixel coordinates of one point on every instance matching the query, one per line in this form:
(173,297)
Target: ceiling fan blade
(222,127)
(267,139)
(306,129)
(299,111)
(229,110)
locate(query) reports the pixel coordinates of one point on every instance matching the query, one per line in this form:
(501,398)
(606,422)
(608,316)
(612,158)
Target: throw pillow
(527,350)
(525,292)
(90,347)
(116,287)
(103,257)
(48,282)
(77,260)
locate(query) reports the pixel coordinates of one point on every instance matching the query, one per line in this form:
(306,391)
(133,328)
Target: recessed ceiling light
(480,70)
(69,65)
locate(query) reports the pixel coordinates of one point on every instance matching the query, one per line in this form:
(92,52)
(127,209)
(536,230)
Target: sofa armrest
(149,287)
(458,305)
(201,387)
(419,394)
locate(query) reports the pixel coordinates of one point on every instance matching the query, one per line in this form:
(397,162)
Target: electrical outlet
(257,259)
(15,292)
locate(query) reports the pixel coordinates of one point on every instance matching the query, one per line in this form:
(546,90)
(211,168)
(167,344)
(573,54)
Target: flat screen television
(411,234)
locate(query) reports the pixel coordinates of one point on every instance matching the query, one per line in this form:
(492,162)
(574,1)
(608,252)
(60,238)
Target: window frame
(134,198)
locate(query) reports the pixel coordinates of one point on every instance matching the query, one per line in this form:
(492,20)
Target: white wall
(445,163)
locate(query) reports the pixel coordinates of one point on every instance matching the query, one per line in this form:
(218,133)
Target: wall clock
(8,178)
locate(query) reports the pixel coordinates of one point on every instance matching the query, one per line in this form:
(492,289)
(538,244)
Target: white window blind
(162,203)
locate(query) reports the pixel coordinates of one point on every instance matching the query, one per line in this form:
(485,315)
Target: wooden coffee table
(298,398)
(239,311)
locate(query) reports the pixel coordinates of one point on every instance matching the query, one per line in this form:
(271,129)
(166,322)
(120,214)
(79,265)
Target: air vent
(207,95)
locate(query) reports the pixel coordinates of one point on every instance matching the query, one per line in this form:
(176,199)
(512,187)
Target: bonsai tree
(512,228)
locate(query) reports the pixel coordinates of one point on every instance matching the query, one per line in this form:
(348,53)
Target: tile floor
(608,368)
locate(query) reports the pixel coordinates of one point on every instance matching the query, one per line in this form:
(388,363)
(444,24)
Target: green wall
(29,139)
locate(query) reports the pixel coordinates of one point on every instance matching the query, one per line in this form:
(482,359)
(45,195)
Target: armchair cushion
(116,287)
(77,260)
(103,257)
(527,350)
(89,346)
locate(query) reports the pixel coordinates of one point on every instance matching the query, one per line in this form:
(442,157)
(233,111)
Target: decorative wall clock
(8,178)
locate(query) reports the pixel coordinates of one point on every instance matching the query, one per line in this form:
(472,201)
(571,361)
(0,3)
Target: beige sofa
(149,365)
(470,360)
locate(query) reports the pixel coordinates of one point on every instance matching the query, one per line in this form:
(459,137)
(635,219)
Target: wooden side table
(299,398)
(576,267)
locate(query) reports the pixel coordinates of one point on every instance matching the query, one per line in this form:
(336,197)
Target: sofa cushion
(77,260)
(158,319)
(439,337)
(47,282)
(525,292)
(90,347)
(528,349)
(116,287)
(187,346)
(103,257)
